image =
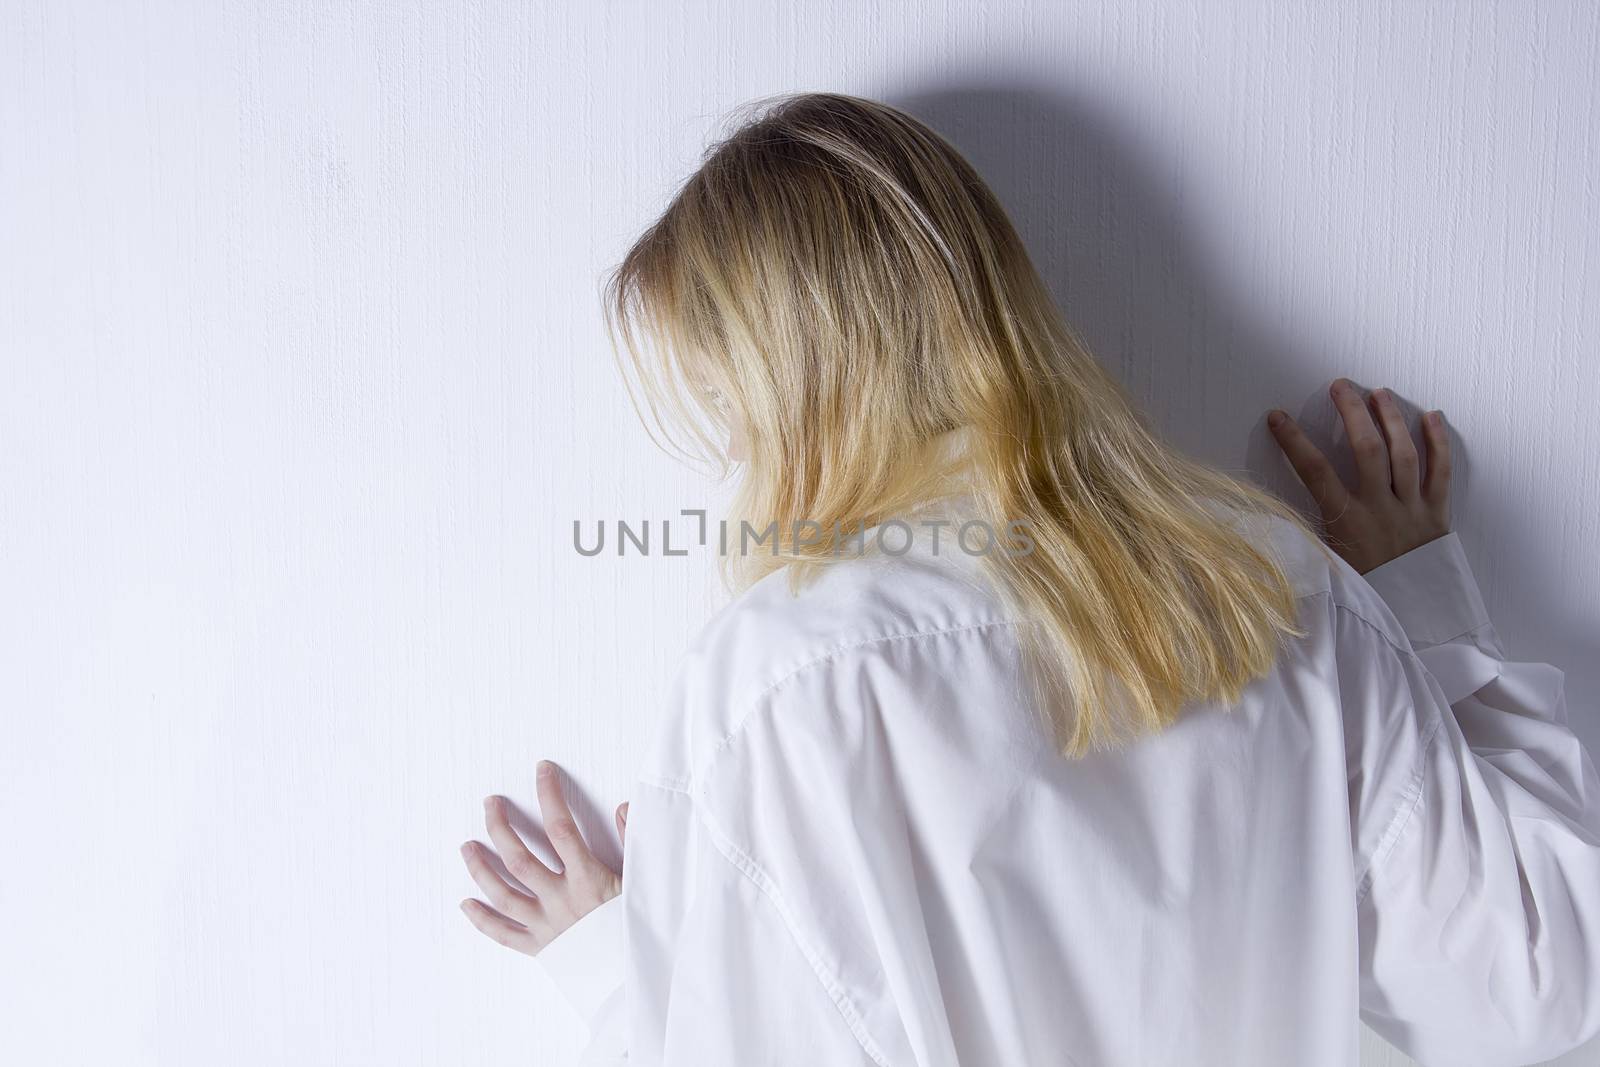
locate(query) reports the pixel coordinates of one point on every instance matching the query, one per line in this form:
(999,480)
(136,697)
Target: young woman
(1155,779)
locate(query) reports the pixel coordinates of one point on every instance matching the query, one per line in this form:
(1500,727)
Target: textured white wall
(304,382)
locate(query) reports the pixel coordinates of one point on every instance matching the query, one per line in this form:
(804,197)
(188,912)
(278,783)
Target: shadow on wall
(1111,246)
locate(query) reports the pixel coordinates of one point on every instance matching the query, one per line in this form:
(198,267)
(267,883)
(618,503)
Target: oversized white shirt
(855,844)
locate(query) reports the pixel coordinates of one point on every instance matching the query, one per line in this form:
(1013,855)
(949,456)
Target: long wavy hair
(837,281)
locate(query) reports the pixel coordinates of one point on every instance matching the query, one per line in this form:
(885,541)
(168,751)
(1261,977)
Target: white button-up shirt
(856,844)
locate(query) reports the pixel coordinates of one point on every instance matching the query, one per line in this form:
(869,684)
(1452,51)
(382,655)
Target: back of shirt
(856,842)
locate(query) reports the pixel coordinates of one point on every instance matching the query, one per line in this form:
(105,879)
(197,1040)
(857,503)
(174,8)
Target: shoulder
(1320,578)
(896,610)
(873,606)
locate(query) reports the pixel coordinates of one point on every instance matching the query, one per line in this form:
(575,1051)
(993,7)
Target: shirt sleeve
(585,964)
(716,975)
(1479,904)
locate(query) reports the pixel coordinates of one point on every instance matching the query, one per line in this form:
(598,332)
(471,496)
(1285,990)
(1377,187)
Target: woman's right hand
(1392,510)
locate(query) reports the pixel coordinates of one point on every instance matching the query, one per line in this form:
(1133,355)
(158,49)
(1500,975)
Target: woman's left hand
(539,904)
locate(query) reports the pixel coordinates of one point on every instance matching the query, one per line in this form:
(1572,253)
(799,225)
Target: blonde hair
(838,279)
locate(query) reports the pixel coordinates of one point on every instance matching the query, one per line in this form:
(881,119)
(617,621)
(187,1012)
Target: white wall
(304,382)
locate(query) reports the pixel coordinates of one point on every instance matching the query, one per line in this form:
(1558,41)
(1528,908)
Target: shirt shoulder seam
(822,659)
(686,783)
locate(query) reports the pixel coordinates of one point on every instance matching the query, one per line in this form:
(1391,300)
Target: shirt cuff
(585,959)
(1431,591)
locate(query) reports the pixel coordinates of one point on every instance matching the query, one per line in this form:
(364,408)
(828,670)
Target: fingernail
(623,814)
(466,849)
(1275,418)
(546,768)
(1436,418)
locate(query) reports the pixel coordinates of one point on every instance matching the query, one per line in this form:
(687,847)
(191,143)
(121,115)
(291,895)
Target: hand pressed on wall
(537,904)
(1395,507)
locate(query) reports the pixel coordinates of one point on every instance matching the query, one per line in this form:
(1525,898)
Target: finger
(499,928)
(1372,456)
(622,822)
(559,825)
(1310,464)
(524,866)
(1436,483)
(1403,462)
(501,894)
